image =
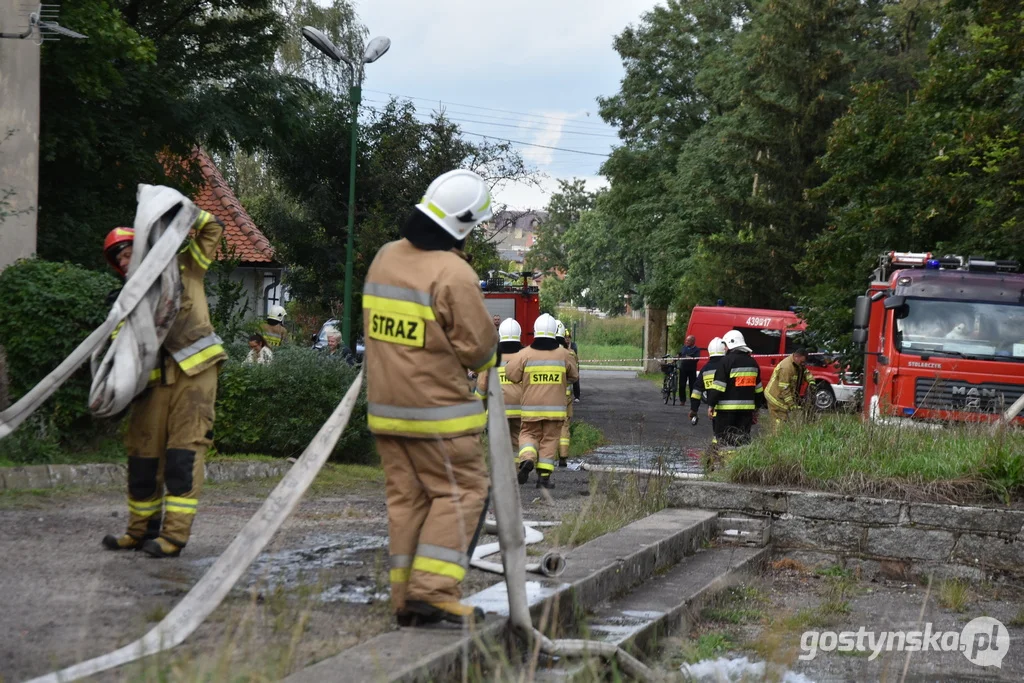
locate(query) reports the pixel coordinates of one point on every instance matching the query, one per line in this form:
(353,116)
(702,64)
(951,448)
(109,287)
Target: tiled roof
(241,234)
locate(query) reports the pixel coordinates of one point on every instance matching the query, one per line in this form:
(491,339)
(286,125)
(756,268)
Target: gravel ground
(324,576)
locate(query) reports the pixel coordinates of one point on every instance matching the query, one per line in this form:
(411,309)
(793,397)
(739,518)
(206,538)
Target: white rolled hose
(552,563)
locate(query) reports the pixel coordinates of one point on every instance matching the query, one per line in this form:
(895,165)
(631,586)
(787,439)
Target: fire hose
(511,536)
(218,581)
(147,307)
(551,564)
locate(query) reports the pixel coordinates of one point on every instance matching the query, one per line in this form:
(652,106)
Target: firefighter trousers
(170,429)
(732,427)
(436,493)
(777,415)
(538,441)
(563,437)
(514,427)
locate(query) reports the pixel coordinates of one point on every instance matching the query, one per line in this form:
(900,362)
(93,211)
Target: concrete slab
(608,565)
(663,604)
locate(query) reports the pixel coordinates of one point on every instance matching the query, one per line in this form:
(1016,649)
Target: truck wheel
(824,399)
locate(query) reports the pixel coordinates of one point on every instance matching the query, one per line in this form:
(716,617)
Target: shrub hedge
(277,408)
(47,309)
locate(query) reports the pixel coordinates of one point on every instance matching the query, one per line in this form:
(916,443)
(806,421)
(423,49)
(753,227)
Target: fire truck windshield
(981,330)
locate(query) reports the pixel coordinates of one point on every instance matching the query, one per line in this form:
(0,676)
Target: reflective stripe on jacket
(191,341)
(737,384)
(784,387)
(425,324)
(510,391)
(275,335)
(705,379)
(544,376)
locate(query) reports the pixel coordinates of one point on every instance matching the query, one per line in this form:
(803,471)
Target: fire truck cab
(943,338)
(512,295)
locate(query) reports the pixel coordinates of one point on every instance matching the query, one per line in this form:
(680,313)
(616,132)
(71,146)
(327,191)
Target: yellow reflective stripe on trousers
(545,465)
(398,300)
(563,441)
(434,559)
(185,506)
(440,420)
(144,508)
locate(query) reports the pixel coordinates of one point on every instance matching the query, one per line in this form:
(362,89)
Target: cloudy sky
(525,70)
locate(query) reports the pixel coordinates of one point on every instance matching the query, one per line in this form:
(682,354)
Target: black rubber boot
(544,481)
(525,467)
(425,613)
(563,462)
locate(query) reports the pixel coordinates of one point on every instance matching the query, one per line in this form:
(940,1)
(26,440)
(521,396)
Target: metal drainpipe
(266,292)
(508,513)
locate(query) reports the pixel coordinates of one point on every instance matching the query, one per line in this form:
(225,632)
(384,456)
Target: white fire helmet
(545,327)
(458,201)
(734,340)
(510,330)
(559,329)
(716,347)
(276,314)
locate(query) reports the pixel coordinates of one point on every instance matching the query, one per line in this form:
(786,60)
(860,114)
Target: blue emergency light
(932,264)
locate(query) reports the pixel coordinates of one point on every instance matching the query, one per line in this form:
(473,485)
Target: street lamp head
(376,49)
(320,41)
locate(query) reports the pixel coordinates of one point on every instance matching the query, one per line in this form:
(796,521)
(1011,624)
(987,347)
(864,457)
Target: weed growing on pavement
(614,502)
(737,605)
(1018,620)
(584,437)
(843,454)
(954,594)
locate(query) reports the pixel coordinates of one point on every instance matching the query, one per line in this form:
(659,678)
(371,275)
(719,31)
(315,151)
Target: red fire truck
(771,336)
(513,295)
(943,338)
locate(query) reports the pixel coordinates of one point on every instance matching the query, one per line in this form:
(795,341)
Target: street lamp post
(374,51)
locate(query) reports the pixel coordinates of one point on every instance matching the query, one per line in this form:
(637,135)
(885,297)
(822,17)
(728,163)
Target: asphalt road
(631,412)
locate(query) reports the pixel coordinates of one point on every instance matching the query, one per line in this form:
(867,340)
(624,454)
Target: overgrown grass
(346,476)
(737,605)
(609,354)
(589,329)
(840,453)
(954,594)
(584,437)
(614,502)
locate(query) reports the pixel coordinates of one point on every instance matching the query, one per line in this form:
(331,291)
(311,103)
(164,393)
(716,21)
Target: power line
(529,144)
(508,125)
(473,106)
(532,144)
(518,119)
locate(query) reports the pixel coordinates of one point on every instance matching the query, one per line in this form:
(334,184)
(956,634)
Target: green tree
(566,206)
(398,156)
(936,169)
(154,78)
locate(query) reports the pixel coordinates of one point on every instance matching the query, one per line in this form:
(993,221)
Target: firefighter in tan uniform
(510,335)
(425,325)
(783,392)
(171,424)
(273,330)
(544,369)
(564,438)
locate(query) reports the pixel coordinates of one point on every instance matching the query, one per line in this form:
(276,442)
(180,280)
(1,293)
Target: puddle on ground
(494,600)
(614,628)
(647,457)
(357,556)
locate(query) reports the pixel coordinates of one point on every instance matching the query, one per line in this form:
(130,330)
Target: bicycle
(670,384)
